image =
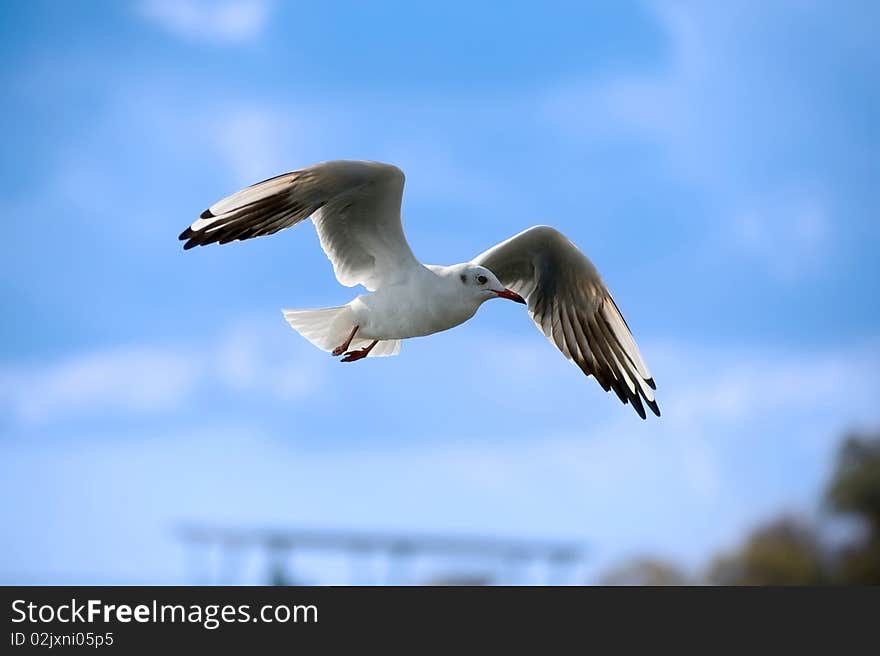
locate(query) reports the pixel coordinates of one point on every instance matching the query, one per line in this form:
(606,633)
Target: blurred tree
(789,551)
(855,490)
(855,486)
(784,552)
(645,571)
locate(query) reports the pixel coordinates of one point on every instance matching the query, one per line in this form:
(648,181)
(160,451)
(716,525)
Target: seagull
(355,207)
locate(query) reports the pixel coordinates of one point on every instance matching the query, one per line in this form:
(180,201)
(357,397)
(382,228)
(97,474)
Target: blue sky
(718,164)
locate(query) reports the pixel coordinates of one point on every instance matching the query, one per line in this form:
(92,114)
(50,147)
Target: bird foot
(353,356)
(359,354)
(342,348)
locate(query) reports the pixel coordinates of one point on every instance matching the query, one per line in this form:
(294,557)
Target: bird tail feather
(328,328)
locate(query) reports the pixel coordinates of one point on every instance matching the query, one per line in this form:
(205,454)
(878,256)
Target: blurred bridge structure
(232,556)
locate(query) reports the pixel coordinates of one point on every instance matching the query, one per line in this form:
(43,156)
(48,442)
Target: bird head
(484,285)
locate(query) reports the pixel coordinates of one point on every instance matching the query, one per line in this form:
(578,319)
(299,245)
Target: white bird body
(427,301)
(355,207)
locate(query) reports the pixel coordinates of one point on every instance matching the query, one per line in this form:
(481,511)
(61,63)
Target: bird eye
(482,280)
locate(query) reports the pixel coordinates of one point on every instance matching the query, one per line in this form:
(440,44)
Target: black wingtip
(616,386)
(651,383)
(190,237)
(654,407)
(207,214)
(637,406)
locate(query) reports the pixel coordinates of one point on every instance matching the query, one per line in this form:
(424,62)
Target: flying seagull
(355,207)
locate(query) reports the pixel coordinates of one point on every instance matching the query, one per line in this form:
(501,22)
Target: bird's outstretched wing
(355,207)
(572,306)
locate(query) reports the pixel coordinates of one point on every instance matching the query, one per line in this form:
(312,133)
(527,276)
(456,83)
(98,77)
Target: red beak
(510,295)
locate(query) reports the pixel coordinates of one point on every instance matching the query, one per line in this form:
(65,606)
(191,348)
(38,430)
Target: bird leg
(351,356)
(339,350)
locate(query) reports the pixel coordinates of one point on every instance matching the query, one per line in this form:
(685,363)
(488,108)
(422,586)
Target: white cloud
(789,236)
(251,142)
(744,433)
(146,380)
(719,118)
(247,361)
(725,391)
(223,21)
(667,106)
(139,379)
